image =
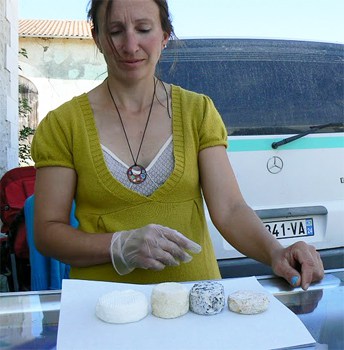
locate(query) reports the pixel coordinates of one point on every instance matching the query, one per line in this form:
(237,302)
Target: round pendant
(136,174)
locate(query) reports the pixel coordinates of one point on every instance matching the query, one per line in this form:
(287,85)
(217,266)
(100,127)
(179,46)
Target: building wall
(60,69)
(8,85)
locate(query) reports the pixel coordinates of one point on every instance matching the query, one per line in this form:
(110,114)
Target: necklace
(136,173)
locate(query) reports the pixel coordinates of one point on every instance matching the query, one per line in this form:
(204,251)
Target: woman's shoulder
(190,98)
(183,92)
(69,110)
(74,104)
(189,95)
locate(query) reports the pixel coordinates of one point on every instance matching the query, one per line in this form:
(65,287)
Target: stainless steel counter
(30,320)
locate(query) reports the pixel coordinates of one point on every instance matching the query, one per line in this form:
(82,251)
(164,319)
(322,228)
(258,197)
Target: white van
(283,104)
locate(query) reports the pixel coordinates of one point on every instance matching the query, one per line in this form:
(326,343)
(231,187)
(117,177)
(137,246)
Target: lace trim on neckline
(162,149)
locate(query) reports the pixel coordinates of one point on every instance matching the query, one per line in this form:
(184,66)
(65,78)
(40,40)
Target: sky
(315,20)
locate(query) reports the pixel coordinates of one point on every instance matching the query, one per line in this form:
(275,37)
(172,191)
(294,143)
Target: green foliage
(25,145)
(23,52)
(24,108)
(25,133)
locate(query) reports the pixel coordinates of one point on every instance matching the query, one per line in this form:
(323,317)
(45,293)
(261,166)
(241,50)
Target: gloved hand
(150,247)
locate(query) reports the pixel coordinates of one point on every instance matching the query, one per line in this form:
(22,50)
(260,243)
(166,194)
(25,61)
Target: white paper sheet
(79,327)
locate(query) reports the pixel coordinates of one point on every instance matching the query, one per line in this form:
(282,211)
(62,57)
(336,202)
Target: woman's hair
(94,6)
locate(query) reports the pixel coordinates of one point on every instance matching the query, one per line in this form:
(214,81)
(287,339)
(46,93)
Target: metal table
(29,320)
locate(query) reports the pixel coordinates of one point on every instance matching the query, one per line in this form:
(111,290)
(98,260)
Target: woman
(137,154)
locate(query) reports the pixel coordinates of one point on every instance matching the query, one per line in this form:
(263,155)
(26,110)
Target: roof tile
(54,29)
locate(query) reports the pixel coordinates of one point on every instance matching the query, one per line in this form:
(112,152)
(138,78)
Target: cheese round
(170,300)
(248,302)
(122,306)
(207,298)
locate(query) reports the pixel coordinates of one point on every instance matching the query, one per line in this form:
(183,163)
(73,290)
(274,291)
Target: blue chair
(46,273)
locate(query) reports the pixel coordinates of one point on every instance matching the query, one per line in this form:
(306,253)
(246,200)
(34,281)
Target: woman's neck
(131,97)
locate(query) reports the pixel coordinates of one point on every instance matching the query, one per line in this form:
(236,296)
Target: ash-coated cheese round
(248,302)
(207,298)
(169,300)
(122,306)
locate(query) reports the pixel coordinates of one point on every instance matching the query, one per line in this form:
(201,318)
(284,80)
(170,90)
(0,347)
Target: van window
(262,87)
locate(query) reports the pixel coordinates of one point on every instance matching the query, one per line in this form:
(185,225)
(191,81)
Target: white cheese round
(248,302)
(207,298)
(170,300)
(122,306)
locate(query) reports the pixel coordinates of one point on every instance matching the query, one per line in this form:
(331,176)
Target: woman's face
(135,31)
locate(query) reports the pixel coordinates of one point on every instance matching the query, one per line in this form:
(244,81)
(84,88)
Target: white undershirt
(158,171)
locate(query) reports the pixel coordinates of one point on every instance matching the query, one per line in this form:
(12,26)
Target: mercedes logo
(274,165)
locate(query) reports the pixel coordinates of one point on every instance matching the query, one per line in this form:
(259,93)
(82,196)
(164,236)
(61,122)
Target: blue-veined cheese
(207,298)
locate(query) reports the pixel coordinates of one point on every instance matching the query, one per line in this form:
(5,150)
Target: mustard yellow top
(68,137)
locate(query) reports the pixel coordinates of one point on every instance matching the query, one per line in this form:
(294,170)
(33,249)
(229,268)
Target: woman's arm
(234,219)
(54,193)
(242,228)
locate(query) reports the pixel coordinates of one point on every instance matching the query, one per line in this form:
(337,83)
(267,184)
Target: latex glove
(150,247)
(300,264)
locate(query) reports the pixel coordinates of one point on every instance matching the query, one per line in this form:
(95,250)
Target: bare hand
(300,264)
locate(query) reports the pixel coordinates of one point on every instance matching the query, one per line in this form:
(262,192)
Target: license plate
(291,228)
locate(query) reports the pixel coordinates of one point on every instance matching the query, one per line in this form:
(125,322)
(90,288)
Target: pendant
(136,174)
